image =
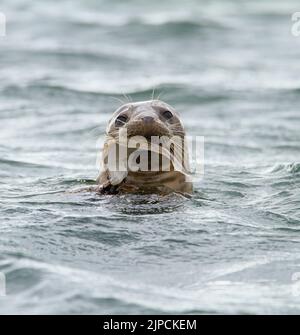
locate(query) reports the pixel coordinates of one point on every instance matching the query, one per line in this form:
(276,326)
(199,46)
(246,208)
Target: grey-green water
(232,70)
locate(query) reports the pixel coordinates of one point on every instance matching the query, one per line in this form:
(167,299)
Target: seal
(144,151)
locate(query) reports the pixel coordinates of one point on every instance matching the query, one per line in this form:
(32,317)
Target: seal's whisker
(177,132)
(153,93)
(159,95)
(118,99)
(177,128)
(127,97)
(97,131)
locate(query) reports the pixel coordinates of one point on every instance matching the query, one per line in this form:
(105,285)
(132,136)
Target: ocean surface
(232,70)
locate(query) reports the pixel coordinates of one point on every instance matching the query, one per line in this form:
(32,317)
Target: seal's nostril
(148,119)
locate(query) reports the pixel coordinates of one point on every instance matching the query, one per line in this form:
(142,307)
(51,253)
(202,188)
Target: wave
(23,164)
(161,19)
(42,288)
(56,286)
(292,168)
(156,89)
(84,55)
(174,89)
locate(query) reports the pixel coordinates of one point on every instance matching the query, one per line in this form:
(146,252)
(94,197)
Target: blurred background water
(231,68)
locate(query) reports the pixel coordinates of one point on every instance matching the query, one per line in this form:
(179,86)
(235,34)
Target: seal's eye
(167,115)
(121,120)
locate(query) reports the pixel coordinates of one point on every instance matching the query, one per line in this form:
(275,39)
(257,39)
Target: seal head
(152,129)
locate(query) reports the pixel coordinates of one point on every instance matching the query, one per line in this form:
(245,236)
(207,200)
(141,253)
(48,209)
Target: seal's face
(147,118)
